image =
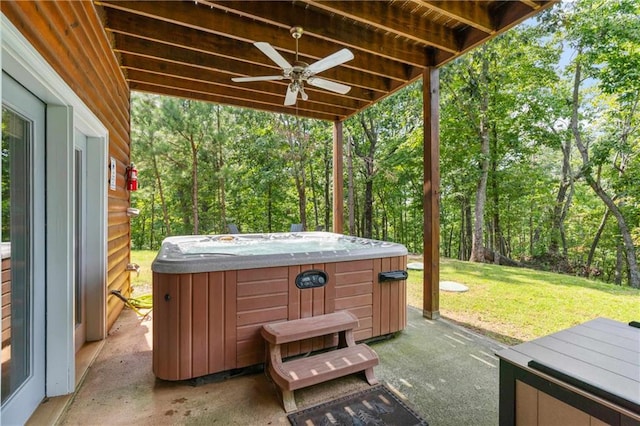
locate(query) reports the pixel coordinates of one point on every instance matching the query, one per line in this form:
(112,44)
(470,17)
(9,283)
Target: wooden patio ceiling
(192,49)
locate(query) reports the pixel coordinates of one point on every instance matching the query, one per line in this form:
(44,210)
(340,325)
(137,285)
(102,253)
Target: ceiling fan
(300,72)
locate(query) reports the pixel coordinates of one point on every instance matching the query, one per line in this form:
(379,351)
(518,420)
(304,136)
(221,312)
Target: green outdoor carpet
(373,406)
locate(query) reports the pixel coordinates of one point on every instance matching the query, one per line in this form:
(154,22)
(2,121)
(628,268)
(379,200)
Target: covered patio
(88,56)
(447,374)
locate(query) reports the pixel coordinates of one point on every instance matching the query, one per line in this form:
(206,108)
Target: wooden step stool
(347,358)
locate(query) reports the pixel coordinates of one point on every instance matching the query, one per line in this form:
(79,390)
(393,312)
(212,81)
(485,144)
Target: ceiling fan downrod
(296,33)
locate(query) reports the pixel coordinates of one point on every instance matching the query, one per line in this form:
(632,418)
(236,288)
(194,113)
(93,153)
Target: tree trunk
(356,214)
(328,161)
(594,243)
(531,232)
(403,226)
(563,201)
(462,248)
(498,239)
(369,172)
(314,196)
(368,209)
(477,244)
(153,219)
(468,231)
(165,213)
(269,209)
(350,190)
(498,259)
(634,277)
(302,198)
(384,234)
(194,186)
(301,183)
(563,216)
(294,135)
(617,278)
(221,180)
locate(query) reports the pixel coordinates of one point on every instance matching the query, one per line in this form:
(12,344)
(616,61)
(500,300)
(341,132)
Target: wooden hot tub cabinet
(209,322)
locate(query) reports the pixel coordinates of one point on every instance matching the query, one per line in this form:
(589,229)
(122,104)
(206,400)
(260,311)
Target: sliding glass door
(23,287)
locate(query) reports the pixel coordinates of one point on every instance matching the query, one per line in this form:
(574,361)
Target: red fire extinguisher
(132,177)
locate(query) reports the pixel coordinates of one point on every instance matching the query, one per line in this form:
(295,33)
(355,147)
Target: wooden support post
(338,181)
(431,193)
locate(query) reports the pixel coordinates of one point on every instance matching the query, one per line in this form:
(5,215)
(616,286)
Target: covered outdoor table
(585,375)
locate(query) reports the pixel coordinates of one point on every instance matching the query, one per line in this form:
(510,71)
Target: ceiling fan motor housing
(298,71)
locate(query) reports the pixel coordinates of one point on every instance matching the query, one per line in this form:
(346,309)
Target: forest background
(540,147)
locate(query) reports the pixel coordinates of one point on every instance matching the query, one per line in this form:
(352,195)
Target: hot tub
(212,294)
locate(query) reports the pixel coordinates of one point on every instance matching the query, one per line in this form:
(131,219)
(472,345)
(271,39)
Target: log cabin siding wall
(70,37)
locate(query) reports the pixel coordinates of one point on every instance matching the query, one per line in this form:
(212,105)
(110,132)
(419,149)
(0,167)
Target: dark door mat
(373,406)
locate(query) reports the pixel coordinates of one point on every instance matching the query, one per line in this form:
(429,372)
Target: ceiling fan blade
(335,59)
(258,78)
(273,54)
(329,85)
(291,96)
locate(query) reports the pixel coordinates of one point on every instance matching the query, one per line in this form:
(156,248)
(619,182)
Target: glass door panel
(16,285)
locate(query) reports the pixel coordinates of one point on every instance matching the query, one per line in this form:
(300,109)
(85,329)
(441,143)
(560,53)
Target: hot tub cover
(208,253)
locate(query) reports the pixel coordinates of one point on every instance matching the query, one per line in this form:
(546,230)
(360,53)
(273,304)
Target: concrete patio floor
(446,373)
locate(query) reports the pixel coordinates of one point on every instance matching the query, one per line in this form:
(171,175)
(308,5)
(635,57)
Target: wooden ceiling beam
(505,15)
(193,48)
(508,15)
(216,21)
(203,49)
(394,20)
(161,67)
(474,14)
(186,94)
(325,26)
(532,4)
(155,50)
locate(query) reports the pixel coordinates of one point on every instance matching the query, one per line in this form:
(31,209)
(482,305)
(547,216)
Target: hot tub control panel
(312,278)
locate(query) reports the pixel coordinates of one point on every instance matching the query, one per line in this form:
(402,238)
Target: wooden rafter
(379,15)
(199,46)
(475,15)
(144,36)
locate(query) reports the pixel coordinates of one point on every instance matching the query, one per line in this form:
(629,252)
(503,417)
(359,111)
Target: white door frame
(65,113)
(80,237)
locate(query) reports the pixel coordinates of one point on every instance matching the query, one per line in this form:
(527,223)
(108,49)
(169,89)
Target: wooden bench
(347,358)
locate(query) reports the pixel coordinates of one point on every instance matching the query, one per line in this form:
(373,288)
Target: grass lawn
(517,304)
(508,304)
